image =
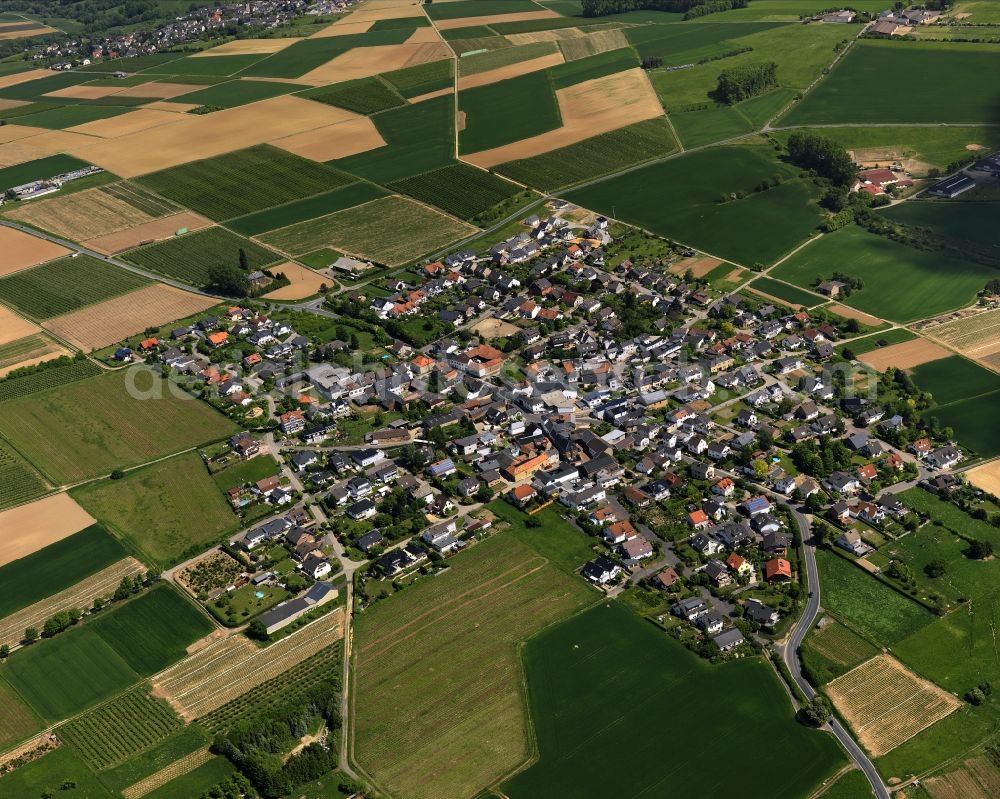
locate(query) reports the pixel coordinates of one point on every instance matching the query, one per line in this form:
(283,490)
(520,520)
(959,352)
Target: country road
(790,654)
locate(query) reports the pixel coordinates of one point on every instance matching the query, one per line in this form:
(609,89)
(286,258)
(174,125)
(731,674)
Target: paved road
(791,658)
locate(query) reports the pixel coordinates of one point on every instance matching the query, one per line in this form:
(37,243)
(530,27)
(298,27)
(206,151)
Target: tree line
(602,8)
(824,156)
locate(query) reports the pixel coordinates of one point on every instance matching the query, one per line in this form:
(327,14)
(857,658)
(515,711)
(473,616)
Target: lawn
(246,472)
(56,567)
(683,199)
(190,257)
(438,702)
(583,676)
(392,231)
(244,181)
(166,510)
(88,428)
(867,605)
(970,221)
(596,156)
(565,546)
(491,112)
(418,138)
(901,283)
(303,210)
(66,284)
(789,294)
(45,776)
(958,85)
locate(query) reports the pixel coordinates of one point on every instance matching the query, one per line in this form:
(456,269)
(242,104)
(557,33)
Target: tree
(817,712)
(244,261)
(31,634)
(4,651)
(936,568)
(124,588)
(257,631)
(743,82)
(228,279)
(980,550)
(117,474)
(823,155)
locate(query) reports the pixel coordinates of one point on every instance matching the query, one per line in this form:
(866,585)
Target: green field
(164,510)
(479,8)
(681,199)
(35,89)
(686,44)
(216,65)
(865,604)
(470,620)
(48,773)
(307,54)
(244,181)
(191,256)
(239,92)
(421,79)
(944,72)
(596,156)
(120,729)
(38,169)
(460,190)
(853,785)
(195,783)
(969,221)
(88,428)
(790,294)
(56,567)
(365,96)
(392,230)
(505,56)
(954,378)
(491,116)
(183,742)
(869,343)
(68,116)
(418,138)
(302,210)
(246,472)
(707,125)
(19,482)
(901,283)
(65,372)
(591,68)
(974,422)
(583,676)
(66,284)
(17,722)
(832,650)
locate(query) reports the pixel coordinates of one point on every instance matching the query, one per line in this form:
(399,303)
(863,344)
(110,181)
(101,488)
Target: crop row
(363,97)
(16,387)
(140,198)
(119,729)
(461,190)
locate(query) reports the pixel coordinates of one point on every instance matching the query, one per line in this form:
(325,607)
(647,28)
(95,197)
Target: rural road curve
(790,653)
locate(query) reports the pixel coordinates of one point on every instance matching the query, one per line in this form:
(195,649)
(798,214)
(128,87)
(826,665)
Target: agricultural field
(191,256)
(17,722)
(238,92)
(47,774)
(118,730)
(940,69)
(790,295)
(39,168)
(91,427)
(23,250)
(976,778)
(716,123)
(81,595)
(480,8)
(865,605)
(29,351)
(33,526)
(833,649)
(901,283)
(963,393)
(422,79)
(418,138)
(66,284)
(303,210)
(976,336)
(489,122)
(852,785)
(392,231)
(682,199)
(886,704)
(496,60)
(19,482)
(955,378)
(230,667)
(686,44)
(165,510)
(968,221)
(590,158)
(152,767)
(579,691)
(909,354)
(875,341)
(193,782)
(53,376)
(364,96)
(244,181)
(460,190)
(473,721)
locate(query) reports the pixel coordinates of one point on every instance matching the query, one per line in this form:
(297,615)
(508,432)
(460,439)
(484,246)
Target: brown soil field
(20,34)
(8,104)
(42,349)
(593,44)
(80,216)
(495,328)
(699,265)
(41,146)
(374,10)
(460,121)
(986,477)
(15,132)
(124,124)
(162,91)
(471,22)
(905,355)
(248,47)
(23,77)
(852,313)
(28,528)
(510,71)
(589,108)
(81,595)
(162,228)
(194,137)
(174,108)
(771,297)
(13,327)
(558,35)
(424,36)
(305,282)
(22,250)
(978,778)
(976,335)
(886,704)
(354,136)
(431,95)
(343,28)
(109,322)
(83,92)
(178,768)
(363,62)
